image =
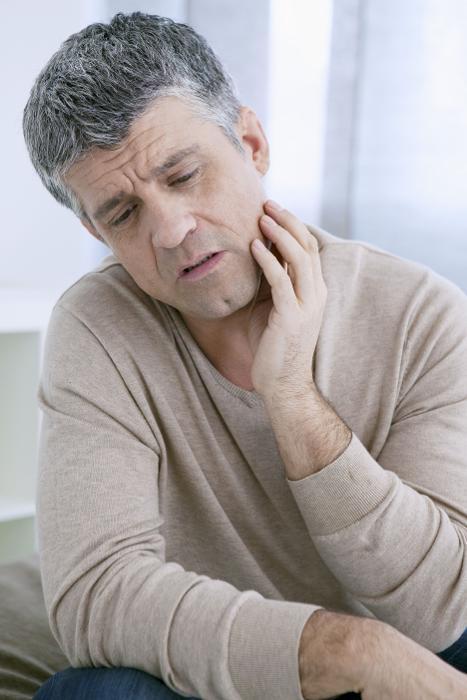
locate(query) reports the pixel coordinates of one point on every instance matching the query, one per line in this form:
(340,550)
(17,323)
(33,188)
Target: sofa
(29,653)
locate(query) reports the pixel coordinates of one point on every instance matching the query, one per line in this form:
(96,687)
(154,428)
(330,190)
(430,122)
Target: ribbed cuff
(263,651)
(343,492)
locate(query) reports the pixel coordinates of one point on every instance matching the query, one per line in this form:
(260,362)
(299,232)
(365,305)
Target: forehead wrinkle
(173,160)
(113,171)
(169,163)
(111,202)
(132,139)
(134,153)
(106,157)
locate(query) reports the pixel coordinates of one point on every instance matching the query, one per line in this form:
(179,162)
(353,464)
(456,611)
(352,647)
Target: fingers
(290,251)
(292,224)
(282,290)
(297,247)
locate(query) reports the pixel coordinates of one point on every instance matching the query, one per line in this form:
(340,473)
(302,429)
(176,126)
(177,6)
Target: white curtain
(404,158)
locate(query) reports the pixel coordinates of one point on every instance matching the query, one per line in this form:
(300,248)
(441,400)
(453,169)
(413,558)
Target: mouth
(201,268)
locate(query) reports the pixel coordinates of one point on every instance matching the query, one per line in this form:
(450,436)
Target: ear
(253,139)
(90,227)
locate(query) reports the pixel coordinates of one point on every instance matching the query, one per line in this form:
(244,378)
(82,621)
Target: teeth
(208,257)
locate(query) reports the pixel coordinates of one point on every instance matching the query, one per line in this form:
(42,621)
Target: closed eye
(121,219)
(127,213)
(184,178)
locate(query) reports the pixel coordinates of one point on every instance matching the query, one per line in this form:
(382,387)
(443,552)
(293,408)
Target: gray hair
(104,77)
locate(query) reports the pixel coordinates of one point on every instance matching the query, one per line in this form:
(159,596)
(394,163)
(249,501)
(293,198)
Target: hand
(342,653)
(284,329)
(401,669)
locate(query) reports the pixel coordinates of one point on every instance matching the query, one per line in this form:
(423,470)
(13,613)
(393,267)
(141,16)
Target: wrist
(309,434)
(331,661)
(284,398)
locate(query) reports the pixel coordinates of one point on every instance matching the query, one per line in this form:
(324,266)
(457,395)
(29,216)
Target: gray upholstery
(29,653)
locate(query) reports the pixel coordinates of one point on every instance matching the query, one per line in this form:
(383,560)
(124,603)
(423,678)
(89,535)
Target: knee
(103,683)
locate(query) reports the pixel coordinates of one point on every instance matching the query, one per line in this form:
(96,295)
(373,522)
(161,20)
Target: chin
(223,306)
(213,312)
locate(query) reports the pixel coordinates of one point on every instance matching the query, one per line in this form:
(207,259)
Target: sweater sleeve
(393,527)
(111,597)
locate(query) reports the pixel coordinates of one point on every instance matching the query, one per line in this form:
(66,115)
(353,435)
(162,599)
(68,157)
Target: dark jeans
(131,684)
(105,684)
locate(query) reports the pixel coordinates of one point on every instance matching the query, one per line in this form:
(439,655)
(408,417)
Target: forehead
(166,122)
(168,127)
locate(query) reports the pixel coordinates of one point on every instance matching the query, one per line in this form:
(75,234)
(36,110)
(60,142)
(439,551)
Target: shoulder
(108,300)
(362,263)
(106,315)
(102,290)
(361,274)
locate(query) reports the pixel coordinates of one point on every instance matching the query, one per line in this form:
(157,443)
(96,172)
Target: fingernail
(268,220)
(274,205)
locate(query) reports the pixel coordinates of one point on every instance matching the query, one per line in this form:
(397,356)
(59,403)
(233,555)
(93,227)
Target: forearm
(309,434)
(373,511)
(339,654)
(360,517)
(330,654)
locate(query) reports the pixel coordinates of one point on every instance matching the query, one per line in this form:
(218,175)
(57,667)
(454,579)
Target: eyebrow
(159,170)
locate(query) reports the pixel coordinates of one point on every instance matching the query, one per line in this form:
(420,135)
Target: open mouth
(203,267)
(201,262)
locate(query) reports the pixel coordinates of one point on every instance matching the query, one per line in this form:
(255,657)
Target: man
(253,458)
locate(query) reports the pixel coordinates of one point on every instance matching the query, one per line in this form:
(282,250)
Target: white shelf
(23,310)
(16,509)
(24,315)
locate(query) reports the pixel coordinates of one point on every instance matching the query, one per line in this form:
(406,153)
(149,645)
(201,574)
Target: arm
(309,434)
(361,513)
(340,653)
(112,598)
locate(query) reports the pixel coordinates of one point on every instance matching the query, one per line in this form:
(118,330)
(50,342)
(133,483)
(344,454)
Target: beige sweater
(170,538)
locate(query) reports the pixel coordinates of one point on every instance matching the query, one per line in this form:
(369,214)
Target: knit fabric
(170,538)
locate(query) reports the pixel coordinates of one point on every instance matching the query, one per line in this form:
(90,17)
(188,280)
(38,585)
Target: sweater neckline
(251,398)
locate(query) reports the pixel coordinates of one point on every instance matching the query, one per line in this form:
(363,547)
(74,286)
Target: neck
(225,344)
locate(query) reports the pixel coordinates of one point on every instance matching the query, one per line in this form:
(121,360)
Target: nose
(169,222)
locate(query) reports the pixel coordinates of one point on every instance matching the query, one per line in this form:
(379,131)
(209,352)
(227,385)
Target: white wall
(42,244)
(299,52)
(175,9)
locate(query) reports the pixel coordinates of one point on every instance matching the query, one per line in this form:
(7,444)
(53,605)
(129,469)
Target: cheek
(237,199)
(137,257)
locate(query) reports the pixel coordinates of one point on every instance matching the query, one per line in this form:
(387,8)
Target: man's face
(175,190)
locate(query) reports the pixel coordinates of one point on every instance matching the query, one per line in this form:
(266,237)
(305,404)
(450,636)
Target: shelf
(17,540)
(16,509)
(24,316)
(23,310)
